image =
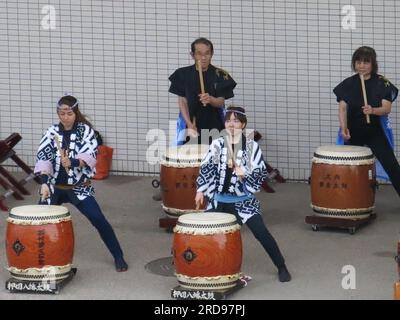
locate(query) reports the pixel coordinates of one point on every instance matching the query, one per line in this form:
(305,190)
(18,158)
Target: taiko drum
(39,242)
(178,173)
(343,181)
(207,250)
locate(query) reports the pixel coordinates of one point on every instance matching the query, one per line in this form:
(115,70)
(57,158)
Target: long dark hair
(72,101)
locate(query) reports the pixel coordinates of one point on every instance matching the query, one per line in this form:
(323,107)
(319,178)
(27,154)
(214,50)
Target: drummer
(66,160)
(201,110)
(230,174)
(354,112)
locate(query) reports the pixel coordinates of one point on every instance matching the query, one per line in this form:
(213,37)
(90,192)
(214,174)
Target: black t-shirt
(185,82)
(377,88)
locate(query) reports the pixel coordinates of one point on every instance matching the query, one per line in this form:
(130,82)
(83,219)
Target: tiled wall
(116,56)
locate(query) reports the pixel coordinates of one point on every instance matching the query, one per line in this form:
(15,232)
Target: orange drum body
(179,171)
(39,242)
(207,251)
(343,181)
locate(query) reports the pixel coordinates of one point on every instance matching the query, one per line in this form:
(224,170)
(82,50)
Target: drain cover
(163,267)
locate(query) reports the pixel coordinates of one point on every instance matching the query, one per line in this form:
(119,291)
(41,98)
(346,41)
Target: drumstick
(232,158)
(364,95)
(200,70)
(57,141)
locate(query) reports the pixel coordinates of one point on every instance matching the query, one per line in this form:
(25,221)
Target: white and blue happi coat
(82,145)
(213,171)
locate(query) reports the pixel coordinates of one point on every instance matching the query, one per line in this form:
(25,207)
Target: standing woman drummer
(230,174)
(362,124)
(66,160)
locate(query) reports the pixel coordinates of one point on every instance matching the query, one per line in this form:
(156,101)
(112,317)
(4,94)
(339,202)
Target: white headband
(235,111)
(66,94)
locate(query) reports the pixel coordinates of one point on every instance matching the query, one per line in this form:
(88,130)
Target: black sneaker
(284,275)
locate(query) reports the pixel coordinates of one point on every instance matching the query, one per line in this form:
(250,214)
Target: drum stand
(351,224)
(7,181)
(167,223)
(273,174)
(181,293)
(44,287)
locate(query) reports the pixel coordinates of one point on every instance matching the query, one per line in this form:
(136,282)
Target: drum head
(38,214)
(207,218)
(206,223)
(186,155)
(343,154)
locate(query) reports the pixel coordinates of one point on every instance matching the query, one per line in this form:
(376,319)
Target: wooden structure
(11,185)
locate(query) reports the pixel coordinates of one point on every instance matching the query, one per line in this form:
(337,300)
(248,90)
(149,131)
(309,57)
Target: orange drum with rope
(39,242)
(207,250)
(343,181)
(179,170)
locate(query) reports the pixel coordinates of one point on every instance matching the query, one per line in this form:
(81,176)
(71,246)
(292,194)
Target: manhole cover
(163,267)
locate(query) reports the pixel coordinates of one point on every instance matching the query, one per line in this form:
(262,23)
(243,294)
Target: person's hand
(345,133)
(205,98)
(239,172)
(44,192)
(199,200)
(367,109)
(65,161)
(192,130)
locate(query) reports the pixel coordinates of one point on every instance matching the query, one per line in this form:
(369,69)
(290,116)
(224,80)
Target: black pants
(259,230)
(376,140)
(91,210)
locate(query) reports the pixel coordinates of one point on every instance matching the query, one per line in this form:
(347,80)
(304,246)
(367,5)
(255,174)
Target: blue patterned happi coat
(213,172)
(82,145)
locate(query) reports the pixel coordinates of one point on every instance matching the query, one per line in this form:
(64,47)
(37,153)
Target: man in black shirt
(201,110)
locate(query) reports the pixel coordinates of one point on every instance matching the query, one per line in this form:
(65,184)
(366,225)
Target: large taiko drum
(179,170)
(207,250)
(39,242)
(343,181)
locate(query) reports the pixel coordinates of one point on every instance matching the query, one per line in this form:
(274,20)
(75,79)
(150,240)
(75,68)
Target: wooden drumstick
(364,96)
(58,144)
(231,160)
(200,70)
(57,141)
